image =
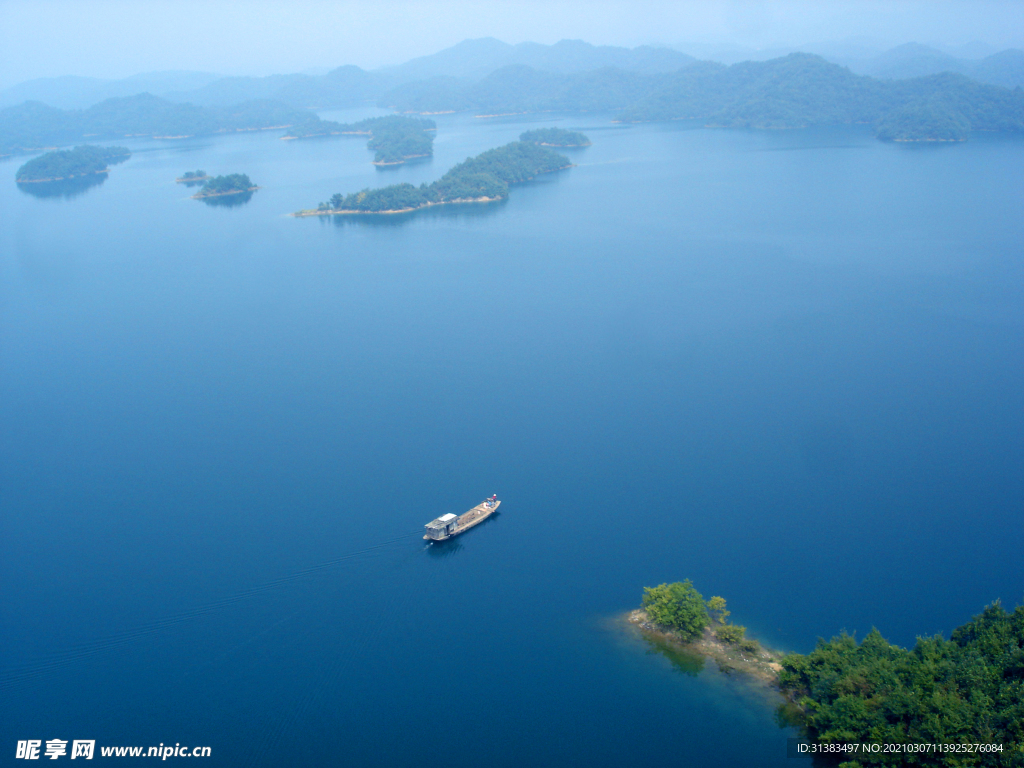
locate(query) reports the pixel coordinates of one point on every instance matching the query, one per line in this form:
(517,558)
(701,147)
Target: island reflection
(228,201)
(688,663)
(65,188)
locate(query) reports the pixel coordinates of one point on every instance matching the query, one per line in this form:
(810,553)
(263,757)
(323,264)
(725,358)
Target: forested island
(395,138)
(555,137)
(191,178)
(33,125)
(71,163)
(965,690)
(232,184)
(483,178)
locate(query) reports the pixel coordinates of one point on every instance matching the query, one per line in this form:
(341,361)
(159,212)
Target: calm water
(786,365)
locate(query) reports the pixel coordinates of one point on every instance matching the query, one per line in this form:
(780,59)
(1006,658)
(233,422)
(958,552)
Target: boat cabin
(442,527)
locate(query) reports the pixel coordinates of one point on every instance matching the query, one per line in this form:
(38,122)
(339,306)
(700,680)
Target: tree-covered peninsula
(232,184)
(395,138)
(555,137)
(33,125)
(676,616)
(967,690)
(794,91)
(482,178)
(71,163)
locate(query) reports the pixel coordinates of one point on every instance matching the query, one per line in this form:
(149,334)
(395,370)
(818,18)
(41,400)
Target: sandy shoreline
(325,133)
(911,141)
(311,212)
(61,178)
(222,194)
(399,162)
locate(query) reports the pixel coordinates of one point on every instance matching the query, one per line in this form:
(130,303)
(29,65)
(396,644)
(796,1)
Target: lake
(786,365)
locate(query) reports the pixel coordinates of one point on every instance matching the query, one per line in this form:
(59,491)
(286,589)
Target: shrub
(730,633)
(749,646)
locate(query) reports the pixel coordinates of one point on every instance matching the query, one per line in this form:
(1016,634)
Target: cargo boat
(446,526)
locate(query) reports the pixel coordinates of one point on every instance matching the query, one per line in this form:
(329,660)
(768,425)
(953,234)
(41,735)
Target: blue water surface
(786,365)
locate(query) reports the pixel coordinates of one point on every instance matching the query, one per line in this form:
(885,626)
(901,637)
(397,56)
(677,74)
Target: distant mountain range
(794,91)
(72,92)
(1005,68)
(907,96)
(346,85)
(473,61)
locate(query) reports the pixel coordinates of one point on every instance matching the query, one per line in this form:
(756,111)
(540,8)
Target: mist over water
(783,364)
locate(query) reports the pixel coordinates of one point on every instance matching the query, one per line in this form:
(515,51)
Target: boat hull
(470,519)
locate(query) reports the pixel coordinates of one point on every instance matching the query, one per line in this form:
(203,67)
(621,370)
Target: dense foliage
(226,185)
(66,164)
(677,606)
(32,125)
(193,174)
(968,689)
(790,92)
(555,137)
(487,175)
(802,90)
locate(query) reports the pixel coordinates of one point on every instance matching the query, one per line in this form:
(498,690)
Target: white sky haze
(117,38)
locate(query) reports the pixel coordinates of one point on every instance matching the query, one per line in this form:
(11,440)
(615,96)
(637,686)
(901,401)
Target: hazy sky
(116,38)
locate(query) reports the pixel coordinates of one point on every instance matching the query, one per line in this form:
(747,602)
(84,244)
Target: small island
(678,615)
(395,138)
(555,137)
(479,179)
(315,127)
(193,177)
(66,164)
(233,184)
(968,690)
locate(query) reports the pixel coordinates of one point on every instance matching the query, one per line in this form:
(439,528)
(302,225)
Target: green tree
(717,607)
(677,606)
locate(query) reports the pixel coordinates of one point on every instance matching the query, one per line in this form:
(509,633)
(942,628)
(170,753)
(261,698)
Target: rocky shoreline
(762,665)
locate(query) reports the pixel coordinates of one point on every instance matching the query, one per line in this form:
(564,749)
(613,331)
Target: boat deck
(475,516)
